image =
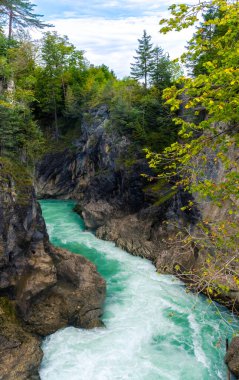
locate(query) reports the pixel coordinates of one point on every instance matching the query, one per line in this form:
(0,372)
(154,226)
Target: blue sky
(111,9)
(108,30)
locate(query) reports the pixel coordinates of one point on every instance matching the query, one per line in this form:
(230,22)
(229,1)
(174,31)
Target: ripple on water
(154,330)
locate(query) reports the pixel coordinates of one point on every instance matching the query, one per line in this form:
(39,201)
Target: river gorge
(153,329)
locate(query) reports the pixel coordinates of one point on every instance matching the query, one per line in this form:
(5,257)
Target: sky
(108,30)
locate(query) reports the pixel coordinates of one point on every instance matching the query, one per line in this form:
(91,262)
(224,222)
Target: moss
(102,172)
(164,198)
(7,308)
(128,158)
(158,186)
(130,162)
(20,176)
(93,141)
(162,190)
(88,117)
(64,142)
(78,209)
(108,127)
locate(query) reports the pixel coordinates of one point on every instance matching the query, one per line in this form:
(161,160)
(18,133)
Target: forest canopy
(46,87)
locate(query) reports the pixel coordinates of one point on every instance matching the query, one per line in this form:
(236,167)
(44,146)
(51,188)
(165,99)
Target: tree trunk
(56,118)
(10,24)
(145,76)
(64,88)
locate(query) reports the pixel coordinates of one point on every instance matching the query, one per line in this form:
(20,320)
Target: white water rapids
(154,329)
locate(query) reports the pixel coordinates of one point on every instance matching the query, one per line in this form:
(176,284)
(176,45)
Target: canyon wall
(42,288)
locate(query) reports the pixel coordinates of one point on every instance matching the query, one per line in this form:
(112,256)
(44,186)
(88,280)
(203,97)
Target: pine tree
(160,75)
(142,67)
(20,13)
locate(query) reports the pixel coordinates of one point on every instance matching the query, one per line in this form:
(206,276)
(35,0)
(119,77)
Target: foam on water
(154,330)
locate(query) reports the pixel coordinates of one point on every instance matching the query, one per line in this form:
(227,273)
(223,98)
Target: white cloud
(107,32)
(113,42)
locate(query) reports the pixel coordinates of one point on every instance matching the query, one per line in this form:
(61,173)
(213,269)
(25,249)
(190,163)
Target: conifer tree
(142,67)
(20,13)
(160,75)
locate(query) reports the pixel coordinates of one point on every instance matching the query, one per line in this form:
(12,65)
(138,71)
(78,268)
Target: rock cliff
(103,168)
(104,174)
(144,219)
(42,288)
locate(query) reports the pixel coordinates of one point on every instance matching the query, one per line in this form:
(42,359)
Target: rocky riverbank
(144,219)
(42,288)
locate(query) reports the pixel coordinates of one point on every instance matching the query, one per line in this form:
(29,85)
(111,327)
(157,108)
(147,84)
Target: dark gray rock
(97,170)
(45,288)
(232,357)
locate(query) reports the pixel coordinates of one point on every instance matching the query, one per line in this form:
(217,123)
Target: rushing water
(154,330)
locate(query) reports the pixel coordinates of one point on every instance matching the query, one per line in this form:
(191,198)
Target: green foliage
(196,58)
(215,92)
(54,84)
(20,177)
(153,65)
(58,81)
(212,140)
(19,133)
(162,191)
(160,75)
(97,86)
(141,114)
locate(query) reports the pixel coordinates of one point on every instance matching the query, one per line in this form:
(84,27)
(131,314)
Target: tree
(215,91)
(20,13)
(142,67)
(160,74)
(213,138)
(204,36)
(19,134)
(62,65)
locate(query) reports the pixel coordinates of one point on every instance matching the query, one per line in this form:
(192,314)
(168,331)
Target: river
(153,330)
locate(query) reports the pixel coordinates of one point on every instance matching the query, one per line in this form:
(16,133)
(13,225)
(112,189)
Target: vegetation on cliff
(189,126)
(204,160)
(47,86)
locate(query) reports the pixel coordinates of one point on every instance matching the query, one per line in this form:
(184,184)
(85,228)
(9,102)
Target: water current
(154,330)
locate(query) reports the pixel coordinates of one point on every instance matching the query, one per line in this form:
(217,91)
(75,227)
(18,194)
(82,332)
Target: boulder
(96,214)
(75,299)
(232,356)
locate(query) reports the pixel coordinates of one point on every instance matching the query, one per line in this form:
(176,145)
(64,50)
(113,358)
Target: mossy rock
(165,197)
(7,312)
(20,178)
(162,191)
(78,209)
(20,352)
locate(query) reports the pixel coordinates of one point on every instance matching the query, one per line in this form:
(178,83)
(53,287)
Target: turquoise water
(154,330)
